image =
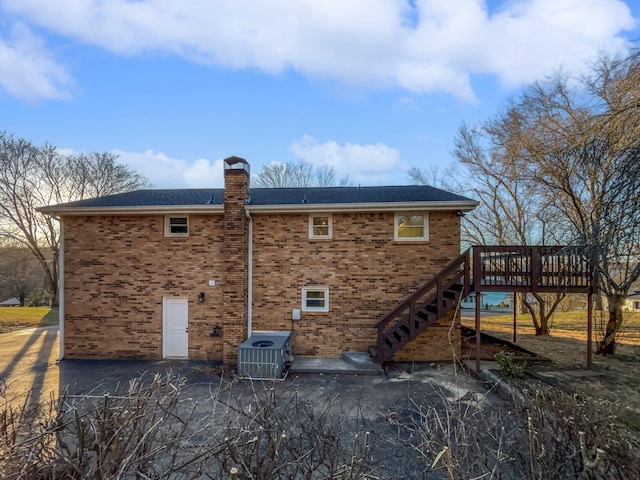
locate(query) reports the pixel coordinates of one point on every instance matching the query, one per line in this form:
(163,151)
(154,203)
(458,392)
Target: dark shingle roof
(329,195)
(264,197)
(153,198)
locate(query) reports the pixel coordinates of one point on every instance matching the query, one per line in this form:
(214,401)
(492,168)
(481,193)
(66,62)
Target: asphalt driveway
(29,365)
(379,403)
(28,362)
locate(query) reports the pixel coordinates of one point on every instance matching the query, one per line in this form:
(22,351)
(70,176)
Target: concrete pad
(583,373)
(329,366)
(559,376)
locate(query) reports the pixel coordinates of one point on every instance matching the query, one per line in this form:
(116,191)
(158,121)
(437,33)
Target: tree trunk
(538,327)
(608,344)
(517,303)
(546,308)
(51,269)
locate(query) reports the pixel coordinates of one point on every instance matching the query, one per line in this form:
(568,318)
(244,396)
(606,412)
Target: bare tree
(574,146)
(32,177)
(584,153)
(20,273)
(512,211)
(436,176)
(298,174)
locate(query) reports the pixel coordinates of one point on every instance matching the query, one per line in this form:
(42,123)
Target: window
(175,226)
(315,299)
(411,226)
(320,226)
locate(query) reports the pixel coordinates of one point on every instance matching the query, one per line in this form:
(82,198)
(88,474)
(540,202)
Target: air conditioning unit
(264,355)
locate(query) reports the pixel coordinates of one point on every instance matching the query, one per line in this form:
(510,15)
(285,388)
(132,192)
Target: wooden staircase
(417,312)
(495,269)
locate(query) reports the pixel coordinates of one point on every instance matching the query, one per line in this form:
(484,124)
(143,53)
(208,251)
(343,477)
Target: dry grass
(616,376)
(565,325)
(17,318)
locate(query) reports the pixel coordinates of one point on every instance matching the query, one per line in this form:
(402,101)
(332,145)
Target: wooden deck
(480,269)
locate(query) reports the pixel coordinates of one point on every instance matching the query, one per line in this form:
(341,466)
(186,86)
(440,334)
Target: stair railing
(457,270)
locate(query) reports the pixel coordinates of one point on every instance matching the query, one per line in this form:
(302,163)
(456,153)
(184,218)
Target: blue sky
(370,87)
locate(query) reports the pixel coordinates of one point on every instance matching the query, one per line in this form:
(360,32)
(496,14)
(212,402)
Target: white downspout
(249,273)
(61,289)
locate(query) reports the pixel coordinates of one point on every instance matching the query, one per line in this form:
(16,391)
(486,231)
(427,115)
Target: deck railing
(527,268)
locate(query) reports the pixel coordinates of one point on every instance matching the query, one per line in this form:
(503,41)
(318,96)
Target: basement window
(176,226)
(320,226)
(411,227)
(315,299)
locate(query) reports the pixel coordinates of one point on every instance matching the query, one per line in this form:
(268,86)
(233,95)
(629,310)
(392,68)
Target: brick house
(192,273)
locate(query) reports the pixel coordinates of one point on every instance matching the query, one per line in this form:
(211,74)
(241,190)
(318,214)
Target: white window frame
(425,231)
(306,291)
(167,226)
(330,225)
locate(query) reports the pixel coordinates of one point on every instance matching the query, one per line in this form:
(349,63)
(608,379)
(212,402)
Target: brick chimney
(235,251)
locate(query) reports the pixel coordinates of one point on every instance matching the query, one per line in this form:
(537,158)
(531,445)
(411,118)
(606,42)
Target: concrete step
(362,361)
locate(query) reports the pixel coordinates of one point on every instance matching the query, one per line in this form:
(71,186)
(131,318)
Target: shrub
(508,366)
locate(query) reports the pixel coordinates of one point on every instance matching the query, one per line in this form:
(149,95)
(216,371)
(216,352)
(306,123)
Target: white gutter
(362,207)
(249,273)
(61,289)
(135,210)
(294,207)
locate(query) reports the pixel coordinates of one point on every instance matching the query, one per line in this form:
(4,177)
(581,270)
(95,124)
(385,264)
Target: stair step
(452,294)
(431,308)
(397,335)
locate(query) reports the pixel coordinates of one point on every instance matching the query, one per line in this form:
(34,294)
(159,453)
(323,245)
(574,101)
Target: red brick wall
(367,273)
(117,270)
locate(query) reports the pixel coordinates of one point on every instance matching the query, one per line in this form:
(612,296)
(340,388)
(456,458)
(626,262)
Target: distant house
(489,299)
(632,302)
(11,302)
(193,273)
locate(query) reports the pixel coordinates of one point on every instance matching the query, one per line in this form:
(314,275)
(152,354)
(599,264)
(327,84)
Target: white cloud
(436,46)
(540,35)
(166,172)
(366,164)
(28,71)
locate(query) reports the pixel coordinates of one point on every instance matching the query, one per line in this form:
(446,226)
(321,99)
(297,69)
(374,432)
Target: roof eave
(463,206)
(133,210)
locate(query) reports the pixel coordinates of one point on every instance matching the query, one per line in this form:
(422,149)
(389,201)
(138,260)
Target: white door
(175,328)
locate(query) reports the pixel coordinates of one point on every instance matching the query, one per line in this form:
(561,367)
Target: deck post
(536,268)
(589,331)
(478,301)
(515,302)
